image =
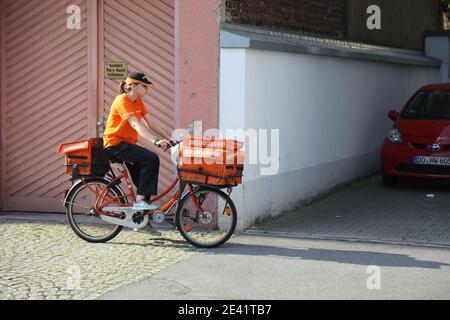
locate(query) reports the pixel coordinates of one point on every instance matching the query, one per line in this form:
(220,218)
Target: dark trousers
(142,164)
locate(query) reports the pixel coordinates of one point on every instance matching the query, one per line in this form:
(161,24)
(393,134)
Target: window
(429,105)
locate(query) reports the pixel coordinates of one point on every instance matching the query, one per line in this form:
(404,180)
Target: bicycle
(97,209)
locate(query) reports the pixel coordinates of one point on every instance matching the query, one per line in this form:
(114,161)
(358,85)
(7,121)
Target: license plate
(432,161)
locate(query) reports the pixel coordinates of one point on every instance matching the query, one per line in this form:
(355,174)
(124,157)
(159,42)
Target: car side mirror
(393,115)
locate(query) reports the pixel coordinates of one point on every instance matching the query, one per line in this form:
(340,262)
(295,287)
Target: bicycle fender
(75,185)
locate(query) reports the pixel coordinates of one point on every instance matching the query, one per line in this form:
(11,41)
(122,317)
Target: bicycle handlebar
(173,143)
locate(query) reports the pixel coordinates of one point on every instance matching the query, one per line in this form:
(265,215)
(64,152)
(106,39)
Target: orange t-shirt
(118,128)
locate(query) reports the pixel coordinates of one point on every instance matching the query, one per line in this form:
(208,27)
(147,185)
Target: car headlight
(395,136)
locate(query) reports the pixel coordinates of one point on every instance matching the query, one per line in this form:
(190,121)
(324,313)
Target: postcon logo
(434,148)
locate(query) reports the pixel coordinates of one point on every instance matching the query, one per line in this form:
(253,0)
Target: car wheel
(389,181)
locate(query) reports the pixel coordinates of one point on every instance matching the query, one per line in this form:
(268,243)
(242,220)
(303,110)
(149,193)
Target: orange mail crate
(215,162)
(85,158)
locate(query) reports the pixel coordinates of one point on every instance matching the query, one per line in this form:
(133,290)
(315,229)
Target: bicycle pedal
(91,213)
(159,217)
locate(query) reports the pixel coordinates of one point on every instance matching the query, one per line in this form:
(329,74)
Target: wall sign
(116,70)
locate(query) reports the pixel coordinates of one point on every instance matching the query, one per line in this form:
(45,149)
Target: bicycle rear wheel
(214,226)
(81,214)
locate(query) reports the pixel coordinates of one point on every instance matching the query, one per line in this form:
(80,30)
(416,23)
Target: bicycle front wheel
(206,218)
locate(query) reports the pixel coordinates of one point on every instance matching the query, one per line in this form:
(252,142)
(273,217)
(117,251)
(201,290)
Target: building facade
(54,88)
(299,67)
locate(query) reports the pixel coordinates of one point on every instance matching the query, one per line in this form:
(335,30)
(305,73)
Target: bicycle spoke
(83,216)
(211,225)
(78,205)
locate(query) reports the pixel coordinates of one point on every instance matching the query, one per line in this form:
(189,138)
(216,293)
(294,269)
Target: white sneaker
(144,205)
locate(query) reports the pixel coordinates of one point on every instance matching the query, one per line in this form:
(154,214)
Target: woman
(125,123)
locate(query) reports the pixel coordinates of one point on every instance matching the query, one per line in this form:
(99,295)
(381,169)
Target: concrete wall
(331,113)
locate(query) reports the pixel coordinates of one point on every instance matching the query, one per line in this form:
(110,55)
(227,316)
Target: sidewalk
(368,211)
(42,258)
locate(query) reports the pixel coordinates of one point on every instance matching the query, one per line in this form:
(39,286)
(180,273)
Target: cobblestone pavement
(415,212)
(46,260)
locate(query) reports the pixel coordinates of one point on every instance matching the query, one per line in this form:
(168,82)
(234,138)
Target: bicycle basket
(85,158)
(213,162)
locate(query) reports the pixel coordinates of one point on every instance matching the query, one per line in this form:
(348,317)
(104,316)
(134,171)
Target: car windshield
(429,105)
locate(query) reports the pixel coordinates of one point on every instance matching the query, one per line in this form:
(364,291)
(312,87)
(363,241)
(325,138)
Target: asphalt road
(256,267)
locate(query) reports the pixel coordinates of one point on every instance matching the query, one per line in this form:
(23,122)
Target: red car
(418,145)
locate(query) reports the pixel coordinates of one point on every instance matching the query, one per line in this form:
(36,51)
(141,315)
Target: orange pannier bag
(85,158)
(210,161)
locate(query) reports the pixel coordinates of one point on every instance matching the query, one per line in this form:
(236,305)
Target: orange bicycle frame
(103,199)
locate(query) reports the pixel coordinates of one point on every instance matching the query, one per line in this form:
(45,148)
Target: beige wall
(403,22)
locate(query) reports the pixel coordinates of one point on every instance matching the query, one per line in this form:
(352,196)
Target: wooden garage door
(142,34)
(54,91)
(45,99)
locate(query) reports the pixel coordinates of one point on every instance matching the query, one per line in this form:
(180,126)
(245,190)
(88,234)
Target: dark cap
(139,77)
